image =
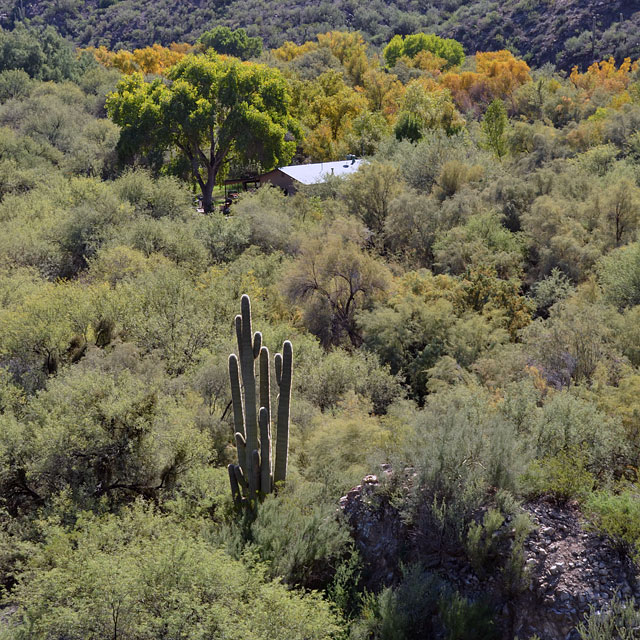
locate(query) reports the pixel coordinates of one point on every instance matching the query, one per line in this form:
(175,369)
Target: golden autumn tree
(498,74)
(383,92)
(327,106)
(604,75)
(155,59)
(351,49)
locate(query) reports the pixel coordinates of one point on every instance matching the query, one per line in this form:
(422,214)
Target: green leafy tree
(408,127)
(445,48)
(232,43)
(424,110)
(41,53)
(494,127)
(211,108)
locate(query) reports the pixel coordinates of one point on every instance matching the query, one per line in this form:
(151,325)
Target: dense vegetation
(564,33)
(466,307)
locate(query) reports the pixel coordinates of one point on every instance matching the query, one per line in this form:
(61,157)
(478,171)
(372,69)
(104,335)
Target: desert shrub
(621,621)
(481,543)
(619,274)
(199,494)
(171,315)
(554,288)
(576,339)
(14,83)
(160,197)
(483,240)
(628,337)
(465,620)
(96,434)
(514,574)
(617,516)
(225,238)
(422,605)
(299,536)
(568,423)
(345,590)
(495,546)
(325,379)
(404,612)
(411,226)
(171,238)
(141,576)
(563,476)
(463,448)
(50,326)
(265,214)
(341,448)
(116,263)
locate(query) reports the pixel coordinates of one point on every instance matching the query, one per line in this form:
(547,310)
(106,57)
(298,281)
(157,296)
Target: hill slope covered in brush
(563,33)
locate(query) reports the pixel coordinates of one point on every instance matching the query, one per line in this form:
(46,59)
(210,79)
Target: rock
(569,568)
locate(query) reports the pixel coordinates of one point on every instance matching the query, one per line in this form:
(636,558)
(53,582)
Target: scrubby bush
(622,620)
(562,476)
(299,535)
(617,516)
(141,575)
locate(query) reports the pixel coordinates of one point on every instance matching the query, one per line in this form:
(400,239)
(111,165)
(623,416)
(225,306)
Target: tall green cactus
(254,476)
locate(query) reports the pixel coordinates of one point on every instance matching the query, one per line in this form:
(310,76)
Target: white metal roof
(315,173)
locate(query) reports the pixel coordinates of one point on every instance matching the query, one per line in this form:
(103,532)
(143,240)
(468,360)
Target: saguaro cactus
(254,476)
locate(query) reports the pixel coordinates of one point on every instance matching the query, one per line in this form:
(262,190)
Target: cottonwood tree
(210,107)
(231,43)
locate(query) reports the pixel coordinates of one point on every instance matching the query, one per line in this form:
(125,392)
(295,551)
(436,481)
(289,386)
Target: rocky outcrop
(570,569)
(377,529)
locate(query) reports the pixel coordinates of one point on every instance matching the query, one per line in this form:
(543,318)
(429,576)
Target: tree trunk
(207,195)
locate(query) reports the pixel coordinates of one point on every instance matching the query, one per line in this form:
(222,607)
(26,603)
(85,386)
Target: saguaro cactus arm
(246,346)
(265,451)
(236,401)
(284,407)
(265,381)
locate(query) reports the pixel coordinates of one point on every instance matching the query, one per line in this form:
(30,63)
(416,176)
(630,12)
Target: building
(290,178)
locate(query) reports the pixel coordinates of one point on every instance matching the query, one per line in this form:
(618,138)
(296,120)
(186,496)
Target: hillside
(563,33)
(434,431)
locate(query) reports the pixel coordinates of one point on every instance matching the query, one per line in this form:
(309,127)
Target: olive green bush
(617,516)
(140,576)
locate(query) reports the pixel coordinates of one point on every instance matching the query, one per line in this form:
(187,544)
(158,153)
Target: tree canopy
(211,107)
(232,43)
(446,48)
